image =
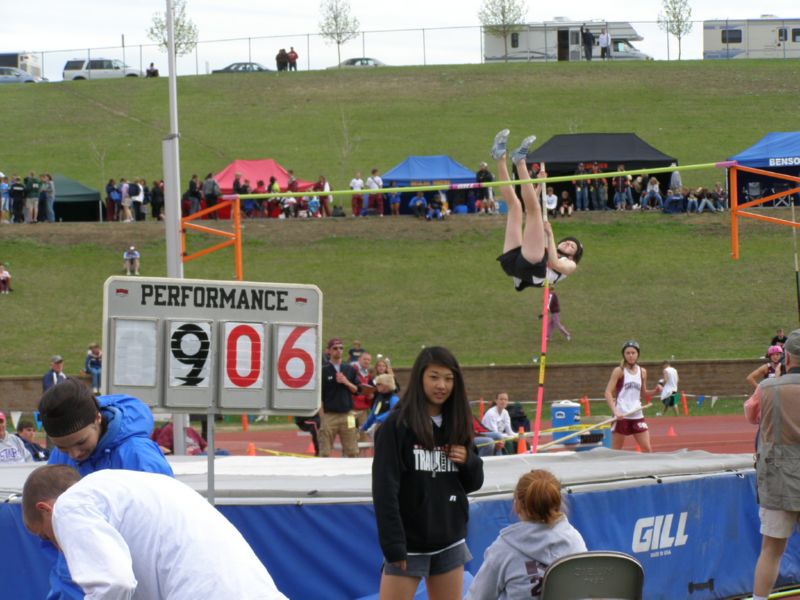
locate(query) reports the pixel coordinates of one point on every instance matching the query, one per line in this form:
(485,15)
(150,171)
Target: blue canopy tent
(778,152)
(429,170)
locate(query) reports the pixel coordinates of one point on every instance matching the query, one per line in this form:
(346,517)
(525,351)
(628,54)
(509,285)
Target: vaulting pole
(545,322)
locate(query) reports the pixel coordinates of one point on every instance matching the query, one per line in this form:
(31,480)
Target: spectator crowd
(31,199)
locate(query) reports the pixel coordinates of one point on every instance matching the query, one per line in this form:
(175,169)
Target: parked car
(14,75)
(359,62)
(98,68)
(242,67)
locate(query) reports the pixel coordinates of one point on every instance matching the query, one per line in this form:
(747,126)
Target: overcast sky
(52,25)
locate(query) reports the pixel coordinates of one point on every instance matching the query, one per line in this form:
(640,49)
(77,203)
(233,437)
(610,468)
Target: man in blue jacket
(91,434)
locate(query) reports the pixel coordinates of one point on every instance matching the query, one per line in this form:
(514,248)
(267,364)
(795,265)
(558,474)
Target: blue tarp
(428,170)
(777,149)
(696,538)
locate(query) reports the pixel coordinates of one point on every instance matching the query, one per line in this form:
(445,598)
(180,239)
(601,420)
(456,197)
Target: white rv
(767,37)
(27,61)
(561,40)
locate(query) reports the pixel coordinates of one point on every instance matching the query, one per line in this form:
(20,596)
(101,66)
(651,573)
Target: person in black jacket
(339,383)
(424,466)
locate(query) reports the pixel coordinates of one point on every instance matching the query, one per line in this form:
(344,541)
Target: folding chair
(593,575)
(754,190)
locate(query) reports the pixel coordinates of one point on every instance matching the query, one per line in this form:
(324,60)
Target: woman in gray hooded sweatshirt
(513,566)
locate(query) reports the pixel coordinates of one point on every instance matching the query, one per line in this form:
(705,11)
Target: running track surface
(730,434)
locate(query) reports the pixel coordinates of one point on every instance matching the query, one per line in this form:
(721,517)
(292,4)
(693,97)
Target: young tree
(336,24)
(185,29)
(502,18)
(675,19)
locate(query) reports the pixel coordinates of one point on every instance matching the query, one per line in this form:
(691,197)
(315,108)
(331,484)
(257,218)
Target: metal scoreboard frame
(192,345)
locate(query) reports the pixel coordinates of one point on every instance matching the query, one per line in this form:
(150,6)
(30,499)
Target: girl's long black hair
(456,414)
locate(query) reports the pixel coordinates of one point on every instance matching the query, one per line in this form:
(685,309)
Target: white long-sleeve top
(134,535)
(497,421)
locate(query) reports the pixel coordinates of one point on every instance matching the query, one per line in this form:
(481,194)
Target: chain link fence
(421,46)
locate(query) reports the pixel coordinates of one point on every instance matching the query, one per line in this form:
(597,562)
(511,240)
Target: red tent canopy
(256,170)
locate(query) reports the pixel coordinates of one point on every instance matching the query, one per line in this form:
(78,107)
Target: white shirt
(630,396)
(670,382)
(13,450)
(357,184)
(604,40)
(375,182)
(146,536)
(551,201)
(494,420)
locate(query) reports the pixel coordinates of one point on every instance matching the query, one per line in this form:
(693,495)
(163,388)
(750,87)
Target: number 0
(255,356)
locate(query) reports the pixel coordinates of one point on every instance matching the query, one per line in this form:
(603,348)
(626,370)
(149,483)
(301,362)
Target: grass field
(397,283)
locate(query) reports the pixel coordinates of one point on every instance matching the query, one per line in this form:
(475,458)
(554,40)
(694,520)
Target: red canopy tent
(256,170)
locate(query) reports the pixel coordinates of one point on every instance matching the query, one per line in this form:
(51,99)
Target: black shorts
(522,271)
(671,400)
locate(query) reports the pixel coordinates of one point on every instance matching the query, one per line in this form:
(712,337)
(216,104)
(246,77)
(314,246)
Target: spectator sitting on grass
(5,280)
(130,260)
(435,208)
(705,200)
(565,206)
(691,199)
(673,203)
(419,205)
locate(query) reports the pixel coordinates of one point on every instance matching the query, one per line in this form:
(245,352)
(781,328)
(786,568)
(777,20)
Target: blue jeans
(51,213)
(95,373)
(626,197)
(582,198)
(705,202)
(651,195)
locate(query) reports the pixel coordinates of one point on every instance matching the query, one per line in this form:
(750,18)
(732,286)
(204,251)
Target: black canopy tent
(562,153)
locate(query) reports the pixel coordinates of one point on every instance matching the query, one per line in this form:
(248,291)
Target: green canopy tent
(75,201)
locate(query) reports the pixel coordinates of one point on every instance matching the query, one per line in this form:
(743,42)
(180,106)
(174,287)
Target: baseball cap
(2,417)
(334,342)
(792,345)
(56,358)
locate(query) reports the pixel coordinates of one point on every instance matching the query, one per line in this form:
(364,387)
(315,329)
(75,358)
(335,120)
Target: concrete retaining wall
(710,377)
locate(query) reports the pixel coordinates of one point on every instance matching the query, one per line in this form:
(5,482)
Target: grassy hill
(397,283)
(337,122)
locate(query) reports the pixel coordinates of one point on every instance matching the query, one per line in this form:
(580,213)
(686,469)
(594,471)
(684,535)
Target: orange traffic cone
(245,422)
(480,408)
(671,432)
(251,449)
(638,448)
(586,410)
(522,447)
(311,450)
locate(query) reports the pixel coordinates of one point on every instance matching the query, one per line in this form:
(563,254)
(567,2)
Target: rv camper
(27,61)
(767,37)
(561,40)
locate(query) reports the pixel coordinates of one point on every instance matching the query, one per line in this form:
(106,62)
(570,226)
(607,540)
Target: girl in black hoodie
(425,464)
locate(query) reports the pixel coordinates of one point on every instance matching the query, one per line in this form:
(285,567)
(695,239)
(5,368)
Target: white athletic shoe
(522,152)
(498,150)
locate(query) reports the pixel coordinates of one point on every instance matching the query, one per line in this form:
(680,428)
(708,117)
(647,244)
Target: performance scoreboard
(189,344)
